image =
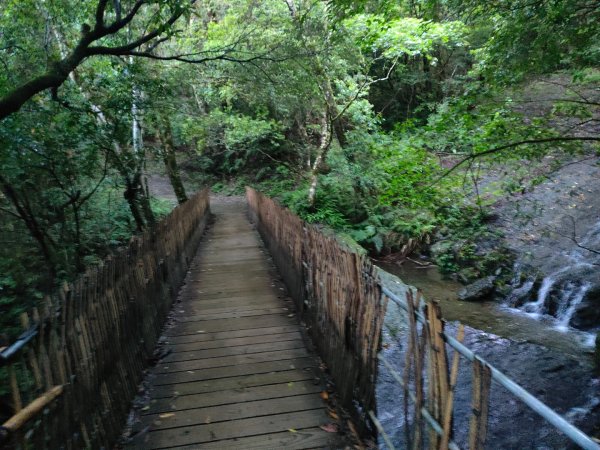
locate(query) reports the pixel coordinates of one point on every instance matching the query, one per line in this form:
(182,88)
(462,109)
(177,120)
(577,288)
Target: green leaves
(405,36)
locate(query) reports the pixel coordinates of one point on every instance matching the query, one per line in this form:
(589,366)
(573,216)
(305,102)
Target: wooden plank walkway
(238,374)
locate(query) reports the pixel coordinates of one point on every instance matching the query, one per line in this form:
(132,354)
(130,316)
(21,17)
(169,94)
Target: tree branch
(59,71)
(124,49)
(513,145)
(100,10)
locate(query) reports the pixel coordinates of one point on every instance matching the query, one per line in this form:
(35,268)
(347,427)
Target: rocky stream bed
(558,373)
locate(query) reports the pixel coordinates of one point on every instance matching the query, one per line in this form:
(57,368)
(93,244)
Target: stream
(520,325)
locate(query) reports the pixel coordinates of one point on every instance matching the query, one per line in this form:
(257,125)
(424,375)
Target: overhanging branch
(513,145)
(59,71)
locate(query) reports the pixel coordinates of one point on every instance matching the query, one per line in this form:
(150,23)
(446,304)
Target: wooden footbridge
(266,346)
(237,373)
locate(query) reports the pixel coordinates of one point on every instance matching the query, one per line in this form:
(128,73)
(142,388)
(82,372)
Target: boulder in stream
(478,291)
(587,314)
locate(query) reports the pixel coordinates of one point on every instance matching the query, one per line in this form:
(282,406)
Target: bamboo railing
(77,366)
(336,294)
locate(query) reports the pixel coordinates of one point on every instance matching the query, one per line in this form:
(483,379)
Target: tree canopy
(376,118)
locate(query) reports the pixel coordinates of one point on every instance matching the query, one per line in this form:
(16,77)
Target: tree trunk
(338,126)
(322,154)
(165,136)
(142,193)
(144,198)
(131,195)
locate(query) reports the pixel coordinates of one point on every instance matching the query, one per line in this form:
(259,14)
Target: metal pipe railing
(7,354)
(571,431)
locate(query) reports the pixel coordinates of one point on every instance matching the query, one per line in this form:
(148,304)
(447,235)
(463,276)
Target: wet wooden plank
(231,411)
(234,342)
(309,438)
(240,307)
(227,396)
(235,313)
(200,337)
(225,293)
(272,320)
(235,382)
(236,350)
(214,432)
(229,361)
(229,371)
(234,302)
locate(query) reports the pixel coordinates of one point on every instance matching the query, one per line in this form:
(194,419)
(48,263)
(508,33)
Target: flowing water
(562,292)
(528,325)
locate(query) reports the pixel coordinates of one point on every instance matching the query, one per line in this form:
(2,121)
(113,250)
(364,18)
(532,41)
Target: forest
(402,125)
(452,143)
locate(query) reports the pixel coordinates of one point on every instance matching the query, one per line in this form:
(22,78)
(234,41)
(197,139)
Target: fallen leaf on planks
(324,395)
(330,427)
(166,415)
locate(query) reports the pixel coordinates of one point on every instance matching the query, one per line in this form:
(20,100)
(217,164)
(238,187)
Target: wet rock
(587,313)
(478,291)
(522,294)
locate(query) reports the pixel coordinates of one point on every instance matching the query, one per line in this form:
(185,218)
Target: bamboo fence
(341,299)
(337,295)
(77,366)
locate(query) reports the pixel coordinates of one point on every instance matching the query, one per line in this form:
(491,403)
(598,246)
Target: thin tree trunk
(321,155)
(35,229)
(144,198)
(338,127)
(131,197)
(142,194)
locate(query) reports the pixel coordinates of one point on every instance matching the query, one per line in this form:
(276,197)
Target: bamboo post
(482,377)
(16,422)
(31,356)
(408,358)
(447,423)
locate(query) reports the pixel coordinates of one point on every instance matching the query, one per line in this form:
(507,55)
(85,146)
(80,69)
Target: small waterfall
(571,297)
(557,298)
(538,307)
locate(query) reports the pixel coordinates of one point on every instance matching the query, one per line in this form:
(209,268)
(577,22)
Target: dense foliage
(380,119)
